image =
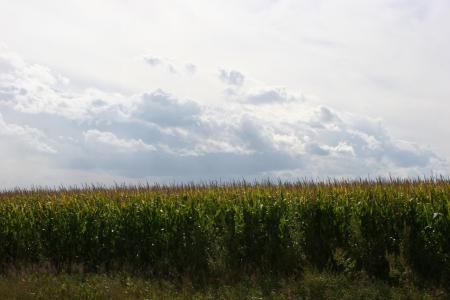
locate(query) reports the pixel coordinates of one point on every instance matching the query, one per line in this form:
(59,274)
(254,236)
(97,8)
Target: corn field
(379,227)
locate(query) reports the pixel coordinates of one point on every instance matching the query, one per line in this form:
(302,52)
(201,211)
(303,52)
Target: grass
(44,284)
(355,239)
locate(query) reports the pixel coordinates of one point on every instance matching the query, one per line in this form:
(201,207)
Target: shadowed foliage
(385,228)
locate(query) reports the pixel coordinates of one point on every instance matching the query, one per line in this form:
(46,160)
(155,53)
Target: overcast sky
(105,91)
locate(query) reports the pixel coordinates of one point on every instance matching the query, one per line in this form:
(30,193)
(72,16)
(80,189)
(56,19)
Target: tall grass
(385,228)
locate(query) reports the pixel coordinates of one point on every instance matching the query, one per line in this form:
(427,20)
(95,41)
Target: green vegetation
(44,284)
(397,233)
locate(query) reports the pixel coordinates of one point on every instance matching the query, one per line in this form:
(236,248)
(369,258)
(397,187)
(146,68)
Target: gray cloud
(172,69)
(168,64)
(316,149)
(232,77)
(190,68)
(153,60)
(252,134)
(160,108)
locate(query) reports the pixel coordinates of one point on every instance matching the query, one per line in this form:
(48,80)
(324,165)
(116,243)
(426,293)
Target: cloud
(169,64)
(153,61)
(155,134)
(386,59)
(254,135)
(232,77)
(35,89)
(31,138)
(161,108)
(267,96)
(172,69)
(108,140)
(270,96)
(316,149)
(190,68)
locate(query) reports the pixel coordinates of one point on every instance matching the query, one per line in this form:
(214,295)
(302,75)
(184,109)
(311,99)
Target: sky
(134,91)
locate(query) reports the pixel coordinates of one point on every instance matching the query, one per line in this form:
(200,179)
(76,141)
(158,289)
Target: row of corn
(375,226)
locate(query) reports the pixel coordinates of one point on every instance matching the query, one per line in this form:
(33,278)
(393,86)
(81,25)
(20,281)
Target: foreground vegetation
(45,284)
(395,232)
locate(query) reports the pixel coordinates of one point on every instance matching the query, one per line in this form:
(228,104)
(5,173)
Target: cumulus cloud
(232,77)
(267,96)
(109,140)
(270,96)
(170,65)
(263,95)
(155,134)
(162,109)
(35,89)
(31,138)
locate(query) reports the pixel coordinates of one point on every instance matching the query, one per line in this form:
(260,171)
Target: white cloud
(268,96)
(275,95)
(31,138)
(156,135)
(385,58)
(111,141)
